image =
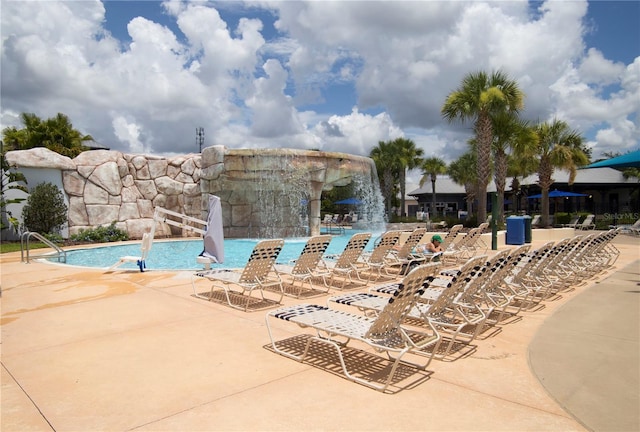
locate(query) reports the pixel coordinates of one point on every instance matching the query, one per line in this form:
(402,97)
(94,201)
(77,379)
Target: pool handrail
(58,253)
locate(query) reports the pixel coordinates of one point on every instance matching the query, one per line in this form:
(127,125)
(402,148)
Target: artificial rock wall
(103,186)
(264,193)
(267,193)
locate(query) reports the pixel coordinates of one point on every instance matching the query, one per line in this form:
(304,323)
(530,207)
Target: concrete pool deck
(84,350)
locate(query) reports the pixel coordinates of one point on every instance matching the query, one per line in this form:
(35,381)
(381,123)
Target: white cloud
(582,100)
(356,132)
(598,70)
(249,86)
(128,132)
(273,112)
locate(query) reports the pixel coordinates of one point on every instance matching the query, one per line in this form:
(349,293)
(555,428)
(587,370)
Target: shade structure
(629,160)
(352,201)
(214,235)
(558,194)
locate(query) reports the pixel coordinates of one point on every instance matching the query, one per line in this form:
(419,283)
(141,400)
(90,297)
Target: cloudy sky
(141,76)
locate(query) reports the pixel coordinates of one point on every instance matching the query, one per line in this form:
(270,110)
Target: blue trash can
(515,230)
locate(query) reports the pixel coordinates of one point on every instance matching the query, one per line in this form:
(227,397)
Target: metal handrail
(59,253)
(331,226)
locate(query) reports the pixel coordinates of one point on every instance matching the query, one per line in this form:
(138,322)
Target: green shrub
(54,238)
(471,222)
(45,211)
(451,221)
(101,234)
(562,218)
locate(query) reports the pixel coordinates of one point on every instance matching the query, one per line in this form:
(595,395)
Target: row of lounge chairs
(633,229)
(349,218)
(417,306)
(588,223)
(314,272)
(435,312)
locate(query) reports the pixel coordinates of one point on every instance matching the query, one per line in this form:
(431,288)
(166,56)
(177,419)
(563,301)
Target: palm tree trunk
(500,177)
(403,189)
(484,132)
(388,190)
(433,198)
(470,196)
(545,181)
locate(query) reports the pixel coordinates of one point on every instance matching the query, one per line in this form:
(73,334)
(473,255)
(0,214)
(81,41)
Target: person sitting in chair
(435,245)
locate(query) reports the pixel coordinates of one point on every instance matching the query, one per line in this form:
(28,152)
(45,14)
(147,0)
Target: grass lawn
(15,246)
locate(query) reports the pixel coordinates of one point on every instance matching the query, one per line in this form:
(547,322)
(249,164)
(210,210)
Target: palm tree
(431,167)
(479,97)
(56,133)
(63,138)
(510,133)
(462,171)
(408,157)
(558,147)
(384,156)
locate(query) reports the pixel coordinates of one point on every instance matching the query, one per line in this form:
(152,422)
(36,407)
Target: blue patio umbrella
(629,160)
(558,194)
(352,201)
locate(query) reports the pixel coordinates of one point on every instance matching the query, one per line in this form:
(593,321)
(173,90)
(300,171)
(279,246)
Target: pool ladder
(332,228)
(25,255)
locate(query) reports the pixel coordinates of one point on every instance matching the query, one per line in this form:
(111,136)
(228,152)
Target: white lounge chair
(383,333)
(492,295)
(451,236)
(345,266)
(436,307)
(304,269)
(402,259)
(375,262)
(587,223)
(628,229)
(535,221)
(467,247)
(140,261)
(257,275)
(573,223)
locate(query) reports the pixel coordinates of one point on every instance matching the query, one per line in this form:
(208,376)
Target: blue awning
(629,160)
(353,201)
(558,194)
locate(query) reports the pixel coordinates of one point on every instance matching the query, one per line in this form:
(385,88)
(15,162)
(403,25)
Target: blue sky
(615,29)
(140,76)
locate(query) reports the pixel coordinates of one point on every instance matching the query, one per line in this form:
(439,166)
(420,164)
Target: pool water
(182,254)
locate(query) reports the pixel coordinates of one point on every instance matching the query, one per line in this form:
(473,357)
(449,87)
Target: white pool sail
(214,235)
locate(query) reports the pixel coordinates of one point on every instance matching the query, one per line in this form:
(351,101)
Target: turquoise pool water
(181,254)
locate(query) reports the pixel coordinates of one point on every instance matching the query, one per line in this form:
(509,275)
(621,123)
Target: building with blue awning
(604,192)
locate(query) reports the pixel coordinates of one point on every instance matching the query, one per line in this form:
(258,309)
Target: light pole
(200,137)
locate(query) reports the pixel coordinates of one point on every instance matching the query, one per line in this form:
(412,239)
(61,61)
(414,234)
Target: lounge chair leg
(344,366)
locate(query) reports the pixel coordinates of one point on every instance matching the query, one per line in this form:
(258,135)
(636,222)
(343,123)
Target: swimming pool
(181,254)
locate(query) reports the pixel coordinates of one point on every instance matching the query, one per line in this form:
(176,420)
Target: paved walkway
(87,351)
(587,354)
